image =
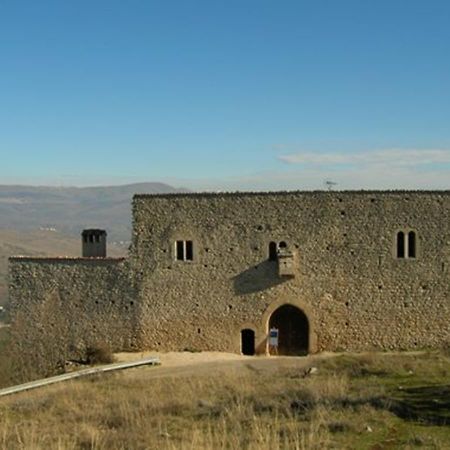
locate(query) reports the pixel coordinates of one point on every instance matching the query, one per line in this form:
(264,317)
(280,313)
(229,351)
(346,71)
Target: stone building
(353,270)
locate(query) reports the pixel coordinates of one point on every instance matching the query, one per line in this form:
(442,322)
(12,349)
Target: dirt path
(174,364)
(182,364)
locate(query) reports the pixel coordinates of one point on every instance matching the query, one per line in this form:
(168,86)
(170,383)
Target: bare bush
(99,353)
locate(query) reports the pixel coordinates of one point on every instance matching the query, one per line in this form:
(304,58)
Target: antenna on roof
(329,184)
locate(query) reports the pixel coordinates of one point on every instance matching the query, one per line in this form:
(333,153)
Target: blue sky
(242,94)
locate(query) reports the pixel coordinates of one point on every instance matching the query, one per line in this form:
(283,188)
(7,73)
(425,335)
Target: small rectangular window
(411,244)
(400,244)
(189,251)
(273,255)
(184,250)
(180,250)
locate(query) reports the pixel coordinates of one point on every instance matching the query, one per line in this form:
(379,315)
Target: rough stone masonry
(350,270)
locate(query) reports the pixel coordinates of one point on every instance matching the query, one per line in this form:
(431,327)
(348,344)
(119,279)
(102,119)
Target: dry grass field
(370,401)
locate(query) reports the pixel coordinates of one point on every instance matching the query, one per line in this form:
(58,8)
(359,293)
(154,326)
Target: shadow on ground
(428,404)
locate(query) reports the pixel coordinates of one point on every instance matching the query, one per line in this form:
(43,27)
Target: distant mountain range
(68,210)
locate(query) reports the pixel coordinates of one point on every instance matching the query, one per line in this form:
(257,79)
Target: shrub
(99,353)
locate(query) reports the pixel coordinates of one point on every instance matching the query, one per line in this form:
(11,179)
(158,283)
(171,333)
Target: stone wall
(62,306)
(356,293)
(348,281)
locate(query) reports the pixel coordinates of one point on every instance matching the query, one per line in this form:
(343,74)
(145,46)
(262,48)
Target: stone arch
(293,330)
(304,311)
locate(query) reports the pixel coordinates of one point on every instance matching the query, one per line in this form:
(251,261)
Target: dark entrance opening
(273,251)
(293,330)
(248,341)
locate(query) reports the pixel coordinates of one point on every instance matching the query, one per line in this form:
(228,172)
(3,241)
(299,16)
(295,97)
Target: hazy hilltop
(47,221)
(69,209)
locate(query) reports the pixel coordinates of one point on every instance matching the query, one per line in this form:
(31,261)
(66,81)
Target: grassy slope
(352,402)
(38,243)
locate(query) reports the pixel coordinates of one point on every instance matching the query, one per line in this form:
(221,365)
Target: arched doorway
(248,342)
(293,330)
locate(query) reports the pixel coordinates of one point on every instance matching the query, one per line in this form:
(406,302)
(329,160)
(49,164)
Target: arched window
(406,244)
(273,251)
(411,244)
(400,244)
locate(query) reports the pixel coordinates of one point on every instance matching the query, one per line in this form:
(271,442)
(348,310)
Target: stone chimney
(93,243)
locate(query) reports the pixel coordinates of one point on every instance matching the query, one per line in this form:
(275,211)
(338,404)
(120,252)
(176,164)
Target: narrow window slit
(189,251)
(180,250)
(411,244)
(273,251)
(400,244)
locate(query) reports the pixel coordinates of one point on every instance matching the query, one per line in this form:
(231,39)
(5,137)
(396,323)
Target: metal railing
(78,374)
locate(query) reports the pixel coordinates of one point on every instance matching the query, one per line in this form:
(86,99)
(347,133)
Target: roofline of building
(282,193)
(64,258)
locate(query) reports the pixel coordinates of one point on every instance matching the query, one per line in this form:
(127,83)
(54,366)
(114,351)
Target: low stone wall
(62,306)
